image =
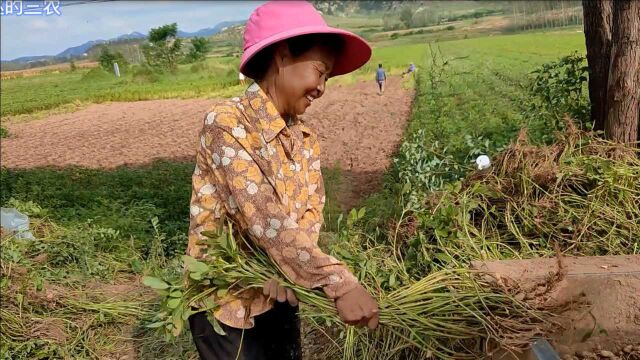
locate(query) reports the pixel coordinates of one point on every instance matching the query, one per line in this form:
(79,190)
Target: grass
(477,62)
(124,199)
(471,97)
(74,292)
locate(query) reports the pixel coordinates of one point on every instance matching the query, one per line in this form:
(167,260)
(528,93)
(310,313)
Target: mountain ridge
(79,50)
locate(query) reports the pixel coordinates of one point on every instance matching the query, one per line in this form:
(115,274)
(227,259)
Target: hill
(79,51)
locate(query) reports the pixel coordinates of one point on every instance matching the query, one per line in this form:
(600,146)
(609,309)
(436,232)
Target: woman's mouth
(309,98)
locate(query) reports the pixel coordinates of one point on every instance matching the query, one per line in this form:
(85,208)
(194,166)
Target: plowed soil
(359,131)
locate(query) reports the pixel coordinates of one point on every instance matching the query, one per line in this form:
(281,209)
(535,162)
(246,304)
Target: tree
(597,33)
(163,50)
(373,5)
(406,15)
(107,58)
(612,36)
(199,48)
(623,91)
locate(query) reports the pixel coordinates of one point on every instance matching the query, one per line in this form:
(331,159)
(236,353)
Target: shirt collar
(268,119)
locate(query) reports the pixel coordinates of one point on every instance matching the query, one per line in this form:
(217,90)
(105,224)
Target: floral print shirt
(263,174)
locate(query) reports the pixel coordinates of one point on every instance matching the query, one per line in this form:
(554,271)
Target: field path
(358,130)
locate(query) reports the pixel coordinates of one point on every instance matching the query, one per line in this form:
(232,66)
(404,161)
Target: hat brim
(355,52)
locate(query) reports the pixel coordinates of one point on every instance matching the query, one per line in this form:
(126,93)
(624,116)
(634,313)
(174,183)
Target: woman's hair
(258,66)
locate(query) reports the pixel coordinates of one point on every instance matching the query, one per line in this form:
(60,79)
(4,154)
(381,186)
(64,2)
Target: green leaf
(195,275)
(219,282)
(136,266)
(218,329)
(406,188)
(210,304)
(194,265)
(187,314)
(361,213)
(176,294)
(173,303)
(442,257)
(442,233)
(392,279)
(155,324)
(216,325)
(154,283)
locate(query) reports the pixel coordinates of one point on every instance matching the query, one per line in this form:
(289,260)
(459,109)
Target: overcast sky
(81,22)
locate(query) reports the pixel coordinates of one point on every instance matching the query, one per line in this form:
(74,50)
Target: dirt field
(46,69)
(359,130)
(600,311)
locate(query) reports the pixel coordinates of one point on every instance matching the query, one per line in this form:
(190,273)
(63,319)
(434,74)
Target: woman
(258,166)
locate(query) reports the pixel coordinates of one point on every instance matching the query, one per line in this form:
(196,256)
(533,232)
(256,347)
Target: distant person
(242,78)
(381,78)
(411,69)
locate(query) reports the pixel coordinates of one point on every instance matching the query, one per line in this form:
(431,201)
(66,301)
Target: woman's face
(302,79)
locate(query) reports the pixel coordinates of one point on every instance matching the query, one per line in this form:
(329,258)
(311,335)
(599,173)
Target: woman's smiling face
(302,79)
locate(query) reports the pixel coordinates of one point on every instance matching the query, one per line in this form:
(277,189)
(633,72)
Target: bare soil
(600,294)
(359,131)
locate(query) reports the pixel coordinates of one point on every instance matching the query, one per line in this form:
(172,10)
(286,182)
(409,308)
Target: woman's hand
(358,308)
(274,290)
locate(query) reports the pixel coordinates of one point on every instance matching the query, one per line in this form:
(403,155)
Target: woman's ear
(282,56)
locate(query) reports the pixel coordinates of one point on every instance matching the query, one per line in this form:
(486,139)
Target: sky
(82,21)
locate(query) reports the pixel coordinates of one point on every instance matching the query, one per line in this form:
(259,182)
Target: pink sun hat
(281,20)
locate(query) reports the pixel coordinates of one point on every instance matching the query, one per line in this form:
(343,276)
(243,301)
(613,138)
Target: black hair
(258,66)
(379,65)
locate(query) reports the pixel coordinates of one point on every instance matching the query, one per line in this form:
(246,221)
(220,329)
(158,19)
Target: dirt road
(359,130)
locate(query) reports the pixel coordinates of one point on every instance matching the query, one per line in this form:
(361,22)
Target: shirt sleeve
(312,219)
(249,197)
(205,207)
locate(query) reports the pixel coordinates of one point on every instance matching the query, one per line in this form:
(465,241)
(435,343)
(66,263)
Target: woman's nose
(320,88)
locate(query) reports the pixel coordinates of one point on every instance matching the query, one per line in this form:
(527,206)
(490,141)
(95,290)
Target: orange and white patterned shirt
(264,175)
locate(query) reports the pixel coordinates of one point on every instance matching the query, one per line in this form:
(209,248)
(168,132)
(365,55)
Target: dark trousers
(275,336)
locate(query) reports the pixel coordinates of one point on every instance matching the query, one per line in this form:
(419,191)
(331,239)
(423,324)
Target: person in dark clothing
(381,78)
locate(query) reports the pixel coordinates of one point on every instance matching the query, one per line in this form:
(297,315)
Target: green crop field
(214,78)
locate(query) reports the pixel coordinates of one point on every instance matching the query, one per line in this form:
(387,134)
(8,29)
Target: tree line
(162,51)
